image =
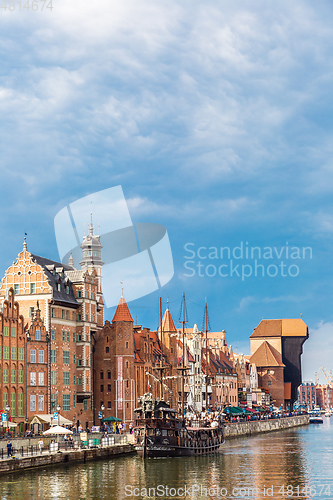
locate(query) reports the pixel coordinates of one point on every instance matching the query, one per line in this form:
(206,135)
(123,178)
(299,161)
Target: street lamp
(101,413)
(7,411)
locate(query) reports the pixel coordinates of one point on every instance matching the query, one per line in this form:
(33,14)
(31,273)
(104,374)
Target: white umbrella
(56,430)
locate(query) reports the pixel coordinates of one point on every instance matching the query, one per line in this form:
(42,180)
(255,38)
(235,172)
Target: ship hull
(175,451)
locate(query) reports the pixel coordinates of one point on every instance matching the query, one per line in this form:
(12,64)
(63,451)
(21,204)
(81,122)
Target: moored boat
(160,433)
(316,419)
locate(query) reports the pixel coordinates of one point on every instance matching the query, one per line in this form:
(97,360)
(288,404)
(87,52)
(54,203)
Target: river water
(296,463)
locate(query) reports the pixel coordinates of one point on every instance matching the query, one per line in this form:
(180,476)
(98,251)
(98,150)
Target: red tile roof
(122,312)
(266,355)
(280,328)
(167,322)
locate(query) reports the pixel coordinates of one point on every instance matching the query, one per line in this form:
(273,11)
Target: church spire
(122,312)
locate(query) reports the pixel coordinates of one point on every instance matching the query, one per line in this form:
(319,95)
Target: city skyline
(214,119)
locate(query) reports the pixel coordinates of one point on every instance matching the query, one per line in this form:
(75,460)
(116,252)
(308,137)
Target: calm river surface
(290,464)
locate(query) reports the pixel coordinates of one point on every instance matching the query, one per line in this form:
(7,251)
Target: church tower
(92,254)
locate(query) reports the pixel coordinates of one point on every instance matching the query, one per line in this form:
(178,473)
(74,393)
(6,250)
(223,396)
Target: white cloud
(318,351)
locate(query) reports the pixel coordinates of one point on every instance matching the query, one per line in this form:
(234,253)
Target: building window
(92,295)
(14,354)
(20,404)
(74,400)
(79,381)
(79,362)
(41,402)
(52,312)
(33,356)
(79,317)
(79,337)
(79,294)
(109,387)
(109,375)
(38,335)
(20,376)
(126,364)
(16,289)
(53,356)
(93,319)
(102,375)
(85,405)
(32,287)
(102,388)
(66,402)
(87,338)
(107,349)
(41,378)
(126,345)
(33,378)
(21,353)
(73,316)
(33,402)
(87,295)
(66,378)
(32,310)
(53,401)
(74,380)
(63,336)
(87,383)
(74,359)
(41,356)
(13,377)
(65,357)
(6,331)
(67,289)
(52,334)
(13,331)
(5,376)
(73,337)
(53,378)
(269,382)
(67,314)
(109,404)
(87,317)
(67,336)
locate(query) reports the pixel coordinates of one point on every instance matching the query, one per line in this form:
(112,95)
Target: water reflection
(245,469)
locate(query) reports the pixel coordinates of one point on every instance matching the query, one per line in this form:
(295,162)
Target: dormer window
(59,287)
(67,289)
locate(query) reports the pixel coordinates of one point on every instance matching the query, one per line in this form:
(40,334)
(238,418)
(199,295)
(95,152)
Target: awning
(111,419)
(48,418)
(233,410)
(9,424)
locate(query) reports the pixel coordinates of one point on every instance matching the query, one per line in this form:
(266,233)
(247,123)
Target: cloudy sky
(216,120)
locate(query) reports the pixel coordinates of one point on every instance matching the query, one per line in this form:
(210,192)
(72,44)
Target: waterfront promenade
(27,454)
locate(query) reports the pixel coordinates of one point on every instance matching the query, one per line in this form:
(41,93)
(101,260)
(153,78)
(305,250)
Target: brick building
(308,395)
(12,359)
(114,366)
(276,348)
(64,307)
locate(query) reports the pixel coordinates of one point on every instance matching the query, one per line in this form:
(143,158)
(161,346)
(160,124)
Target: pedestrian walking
(9,449)
(131,427)
(41,445)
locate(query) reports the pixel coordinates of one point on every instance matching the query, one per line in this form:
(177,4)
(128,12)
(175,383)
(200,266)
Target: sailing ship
(159,430)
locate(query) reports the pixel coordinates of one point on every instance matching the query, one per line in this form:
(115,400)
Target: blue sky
(216,120)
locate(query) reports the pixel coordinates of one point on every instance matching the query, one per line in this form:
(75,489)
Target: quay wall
(14,465)
(259,426)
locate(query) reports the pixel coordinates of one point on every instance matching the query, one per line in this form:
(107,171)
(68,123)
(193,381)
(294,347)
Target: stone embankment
(63,456)
(259,426)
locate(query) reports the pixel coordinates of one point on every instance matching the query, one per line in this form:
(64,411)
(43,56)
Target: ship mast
(183,368)
(206,345)
(161,368)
